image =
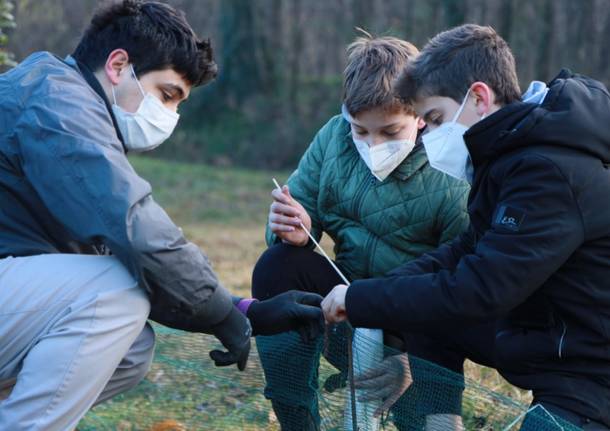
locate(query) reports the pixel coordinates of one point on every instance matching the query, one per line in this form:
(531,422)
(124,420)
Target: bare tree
(281,61)
(7,21)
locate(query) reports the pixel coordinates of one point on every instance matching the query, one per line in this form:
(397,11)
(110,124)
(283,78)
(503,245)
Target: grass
(195,194)
(223,211)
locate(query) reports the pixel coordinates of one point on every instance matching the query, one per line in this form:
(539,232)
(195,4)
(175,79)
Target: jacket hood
(574,113)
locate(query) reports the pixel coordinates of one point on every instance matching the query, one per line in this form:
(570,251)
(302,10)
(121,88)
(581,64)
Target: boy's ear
(116,63)
(484,97)
(420,123)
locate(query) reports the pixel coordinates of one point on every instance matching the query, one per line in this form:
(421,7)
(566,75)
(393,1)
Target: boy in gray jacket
(86,255)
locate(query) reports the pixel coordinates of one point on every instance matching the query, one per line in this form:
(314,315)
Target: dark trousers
(437,356)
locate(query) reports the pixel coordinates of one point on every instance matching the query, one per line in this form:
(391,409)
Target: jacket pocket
(518,347)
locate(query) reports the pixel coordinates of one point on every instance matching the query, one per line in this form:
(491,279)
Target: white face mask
(383,158)
(446,148)
(149,126)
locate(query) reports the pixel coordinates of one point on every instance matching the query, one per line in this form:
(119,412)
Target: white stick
(318,245)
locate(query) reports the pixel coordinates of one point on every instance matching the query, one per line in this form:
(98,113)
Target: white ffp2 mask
(149,126)
(382,159)
(445,146)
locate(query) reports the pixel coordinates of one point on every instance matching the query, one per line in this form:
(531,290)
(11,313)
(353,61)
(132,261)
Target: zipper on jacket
(372,247)
(370,183)
(357,206)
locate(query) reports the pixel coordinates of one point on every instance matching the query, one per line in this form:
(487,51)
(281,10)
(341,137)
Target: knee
(140,309)
(123,314)
(133,367)
(138,360)
(129,299)
(277,269)
(132,308)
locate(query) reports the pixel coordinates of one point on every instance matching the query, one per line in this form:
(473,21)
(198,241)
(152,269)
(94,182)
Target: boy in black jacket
(525,289)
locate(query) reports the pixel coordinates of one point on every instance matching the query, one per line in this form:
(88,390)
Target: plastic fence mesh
(311,389)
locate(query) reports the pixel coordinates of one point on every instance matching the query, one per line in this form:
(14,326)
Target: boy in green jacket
(365,181)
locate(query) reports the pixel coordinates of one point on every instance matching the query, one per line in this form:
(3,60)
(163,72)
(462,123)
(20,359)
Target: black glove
(289,311)
(234,333)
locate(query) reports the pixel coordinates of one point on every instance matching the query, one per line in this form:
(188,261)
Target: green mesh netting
(185,391)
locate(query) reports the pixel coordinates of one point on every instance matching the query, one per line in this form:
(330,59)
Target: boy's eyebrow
(385,126)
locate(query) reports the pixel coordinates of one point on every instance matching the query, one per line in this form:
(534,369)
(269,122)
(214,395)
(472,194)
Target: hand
(386,382)
(286,216)
(234,333)
(289,311)
(334,304)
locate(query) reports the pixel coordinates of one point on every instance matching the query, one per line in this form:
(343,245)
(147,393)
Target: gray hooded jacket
(66,186)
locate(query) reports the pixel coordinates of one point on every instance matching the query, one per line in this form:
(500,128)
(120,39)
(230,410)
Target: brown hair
(373,65)
(456,58)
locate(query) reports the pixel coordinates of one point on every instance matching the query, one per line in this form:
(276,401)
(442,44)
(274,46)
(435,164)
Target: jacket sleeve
(445,257)
(510,261)
(453,217)
(304,183)
(74,161)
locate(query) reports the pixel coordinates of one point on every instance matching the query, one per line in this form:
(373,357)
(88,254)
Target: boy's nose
(375,140)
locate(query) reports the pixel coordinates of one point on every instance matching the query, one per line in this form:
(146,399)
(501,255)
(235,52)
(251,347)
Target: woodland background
(281,61)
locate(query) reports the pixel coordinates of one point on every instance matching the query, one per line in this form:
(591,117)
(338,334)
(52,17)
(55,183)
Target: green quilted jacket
(376,226)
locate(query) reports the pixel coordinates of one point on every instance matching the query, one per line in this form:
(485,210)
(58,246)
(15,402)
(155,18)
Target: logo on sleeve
(509,218)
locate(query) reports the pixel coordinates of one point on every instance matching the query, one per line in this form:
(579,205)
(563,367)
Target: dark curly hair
(155,35)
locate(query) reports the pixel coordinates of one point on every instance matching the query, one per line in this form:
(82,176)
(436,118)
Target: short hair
(373,65)
(155,35)
(454,59)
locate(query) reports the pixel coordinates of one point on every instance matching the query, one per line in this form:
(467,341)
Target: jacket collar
(484,139)
(90,78)
(413,163)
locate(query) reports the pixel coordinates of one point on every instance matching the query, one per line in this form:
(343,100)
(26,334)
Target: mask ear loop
(347,117)
(113,95)
(413,137)
(137,80)
(133,72)
(461,108)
